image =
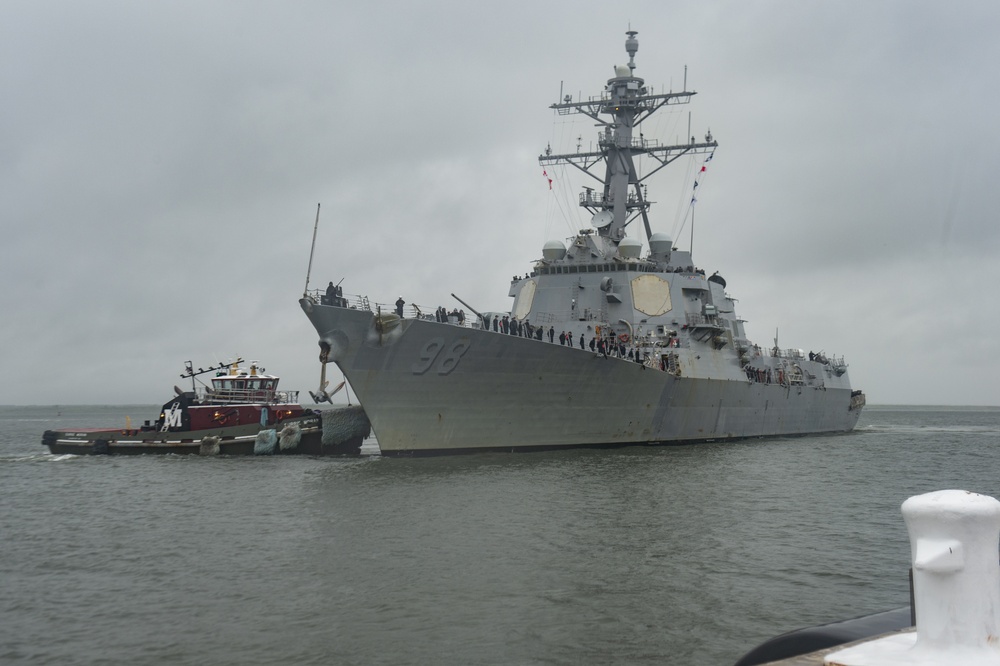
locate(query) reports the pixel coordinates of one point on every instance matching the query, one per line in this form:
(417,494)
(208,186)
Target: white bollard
(954,536)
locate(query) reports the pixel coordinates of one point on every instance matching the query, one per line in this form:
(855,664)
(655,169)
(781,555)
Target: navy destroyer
(605,344)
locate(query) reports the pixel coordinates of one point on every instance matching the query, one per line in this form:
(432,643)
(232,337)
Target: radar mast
(628,102)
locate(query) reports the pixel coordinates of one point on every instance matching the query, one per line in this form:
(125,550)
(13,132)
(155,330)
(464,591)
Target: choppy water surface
(680,555)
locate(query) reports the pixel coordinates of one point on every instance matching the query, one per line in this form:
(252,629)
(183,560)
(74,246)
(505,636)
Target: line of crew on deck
(442,316)
(607,344)
(512,326)
(760,375)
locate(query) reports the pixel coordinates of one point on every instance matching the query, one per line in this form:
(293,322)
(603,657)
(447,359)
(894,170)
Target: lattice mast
(627,100)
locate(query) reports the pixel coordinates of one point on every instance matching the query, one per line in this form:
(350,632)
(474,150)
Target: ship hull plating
(431,387)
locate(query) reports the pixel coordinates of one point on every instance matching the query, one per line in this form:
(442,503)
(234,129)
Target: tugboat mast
(627,100)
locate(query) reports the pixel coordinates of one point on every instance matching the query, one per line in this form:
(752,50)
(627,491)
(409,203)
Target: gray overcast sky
(161,162)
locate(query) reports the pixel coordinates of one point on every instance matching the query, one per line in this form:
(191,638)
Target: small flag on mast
(702,170)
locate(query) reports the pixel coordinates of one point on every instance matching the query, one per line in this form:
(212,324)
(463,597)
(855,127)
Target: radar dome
(660,243)
(553,250)
(630,248)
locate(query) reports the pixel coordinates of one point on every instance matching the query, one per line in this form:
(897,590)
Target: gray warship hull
(430,387)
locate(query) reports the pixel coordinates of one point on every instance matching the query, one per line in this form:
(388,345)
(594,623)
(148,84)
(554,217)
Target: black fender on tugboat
(100,447)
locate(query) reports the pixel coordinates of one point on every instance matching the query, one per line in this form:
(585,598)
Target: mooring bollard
(954,535)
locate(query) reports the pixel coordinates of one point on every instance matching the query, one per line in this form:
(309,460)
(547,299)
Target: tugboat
(241,412)
(615,336)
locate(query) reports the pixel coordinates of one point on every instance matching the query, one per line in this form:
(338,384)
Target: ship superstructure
(604,344)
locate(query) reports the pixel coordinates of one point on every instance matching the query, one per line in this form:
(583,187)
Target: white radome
(553,250)
(630,248)
(660,243)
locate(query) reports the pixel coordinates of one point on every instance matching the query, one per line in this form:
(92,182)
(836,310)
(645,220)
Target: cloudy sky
(161,163)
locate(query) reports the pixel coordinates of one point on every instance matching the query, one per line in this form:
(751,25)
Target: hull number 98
(446,361)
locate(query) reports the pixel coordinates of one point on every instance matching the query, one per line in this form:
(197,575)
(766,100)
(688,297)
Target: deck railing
(246,396)
(415,311)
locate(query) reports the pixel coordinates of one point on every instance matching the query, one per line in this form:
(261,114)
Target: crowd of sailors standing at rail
(442,316)
(606,344)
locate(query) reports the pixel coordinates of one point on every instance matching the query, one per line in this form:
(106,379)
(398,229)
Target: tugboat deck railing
(210,396)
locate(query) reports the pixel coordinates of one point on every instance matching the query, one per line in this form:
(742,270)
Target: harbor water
(643,555)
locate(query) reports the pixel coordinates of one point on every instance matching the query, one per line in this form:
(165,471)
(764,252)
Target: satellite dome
(553,250)
(630,248)
(660,243)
